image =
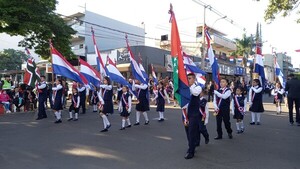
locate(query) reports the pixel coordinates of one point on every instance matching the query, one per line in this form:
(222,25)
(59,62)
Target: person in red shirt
(5,100)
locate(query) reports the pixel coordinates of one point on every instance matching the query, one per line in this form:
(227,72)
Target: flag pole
(52,76)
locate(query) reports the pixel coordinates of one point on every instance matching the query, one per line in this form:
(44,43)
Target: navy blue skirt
(160,105)
(143,105)
(108,107)
(57,104)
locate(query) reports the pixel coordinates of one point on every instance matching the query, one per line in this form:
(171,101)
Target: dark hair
(192,74)
(163,86)
(225,80)
(257,81)
(204,92)
(107,79)
(125,87)
(76,89)
(43,76)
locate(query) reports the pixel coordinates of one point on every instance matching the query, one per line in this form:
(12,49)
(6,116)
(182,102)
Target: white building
(109,33)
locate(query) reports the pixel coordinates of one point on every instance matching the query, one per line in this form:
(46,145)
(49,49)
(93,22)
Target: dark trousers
(193,131)
(291,102)
(210,96)
(42,111)
(82,104)
(223,115)
(50,100)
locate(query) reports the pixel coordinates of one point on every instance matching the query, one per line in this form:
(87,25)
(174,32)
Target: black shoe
(160,120)
(75,120)
(58,121)
(218,138)
(104,130)
(95,111)
(230,136)
(123,128)
(298,123)
(189,156)
(39,118)
(239,132)
(108,126)
(206,140)
(70,119)
(258,123)
(128,126)
(291,123)
(45,117)
(252,123)
(242,131)
(147,122)
(197,144)
(137,123)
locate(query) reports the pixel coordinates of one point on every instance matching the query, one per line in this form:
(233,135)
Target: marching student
(143,102)
(57,100)
(205,115)
(194,116)
(74,105)
(119,93)
(95,99)
(256,103)
(238,109)
(42,97)
(160,96)
(82,93)
(278,93)
(222,108)
(125,107)
(106,93)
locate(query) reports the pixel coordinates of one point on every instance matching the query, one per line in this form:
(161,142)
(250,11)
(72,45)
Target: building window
(80,46)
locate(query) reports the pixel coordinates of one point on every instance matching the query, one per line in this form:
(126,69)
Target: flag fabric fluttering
(298,50)
(100,64)
(154,75)
(32,73)
(191,67)
(91,75)
(212,61)
(136,70)
(142,69)
(116,76)
(181,86)
(231,59)
(278,72)
(62,67)
(259,65)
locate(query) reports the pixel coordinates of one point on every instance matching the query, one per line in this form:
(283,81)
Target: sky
(283,34)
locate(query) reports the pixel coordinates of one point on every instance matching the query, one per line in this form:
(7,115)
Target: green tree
(280,7)
(37,22)
(12,59)
(244,47)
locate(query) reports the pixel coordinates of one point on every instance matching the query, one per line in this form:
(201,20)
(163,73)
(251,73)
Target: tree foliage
(282,7)
(12,59)
(37,22)
(244,47)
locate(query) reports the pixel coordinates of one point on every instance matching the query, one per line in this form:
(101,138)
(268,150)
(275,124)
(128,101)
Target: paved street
(29,144)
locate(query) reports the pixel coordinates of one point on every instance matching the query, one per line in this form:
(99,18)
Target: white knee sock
(138,114)
(76,115)
(238,126)
(128,121)
(123,123)
(56,114)
(146,116)
(242,125)
(71,114)
(253,116)
(159,115)
(278,109)
(258,117)
(104,121)
(162,115)
(95,107)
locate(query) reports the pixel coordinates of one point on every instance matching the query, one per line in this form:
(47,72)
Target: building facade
(109,33)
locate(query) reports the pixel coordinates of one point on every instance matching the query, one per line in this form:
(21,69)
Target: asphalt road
(29,144)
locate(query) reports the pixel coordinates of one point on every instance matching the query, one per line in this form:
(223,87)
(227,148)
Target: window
(80,46)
